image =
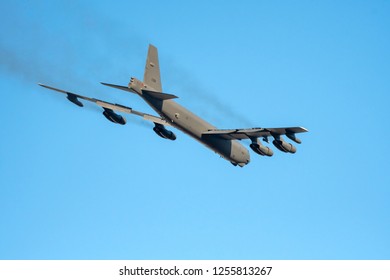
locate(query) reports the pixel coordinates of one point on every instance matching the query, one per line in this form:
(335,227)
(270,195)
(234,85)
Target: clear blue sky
(75,186)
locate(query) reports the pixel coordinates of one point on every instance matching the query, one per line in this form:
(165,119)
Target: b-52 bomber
(222,141)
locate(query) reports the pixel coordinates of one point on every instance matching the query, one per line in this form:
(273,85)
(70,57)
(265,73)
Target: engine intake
(163,132)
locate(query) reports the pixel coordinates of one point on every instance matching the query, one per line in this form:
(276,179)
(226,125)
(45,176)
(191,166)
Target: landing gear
(241,164)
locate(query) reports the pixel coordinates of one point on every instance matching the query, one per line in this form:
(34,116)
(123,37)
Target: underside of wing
(251,133)
(108,107)
(255,133)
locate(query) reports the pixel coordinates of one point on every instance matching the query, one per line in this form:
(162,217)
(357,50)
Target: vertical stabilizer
(152,70)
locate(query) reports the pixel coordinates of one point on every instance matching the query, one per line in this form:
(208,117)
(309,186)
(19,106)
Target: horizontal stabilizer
(158,95)
(118,87)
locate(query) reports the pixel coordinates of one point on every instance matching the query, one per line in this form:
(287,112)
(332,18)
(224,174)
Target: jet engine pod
(113,117)
(73,98)
(294,138)
(284,146)
(163,132)
(260,149)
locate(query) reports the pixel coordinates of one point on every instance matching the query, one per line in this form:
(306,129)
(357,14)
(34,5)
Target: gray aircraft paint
(186,121)
(222,141)
(181,118)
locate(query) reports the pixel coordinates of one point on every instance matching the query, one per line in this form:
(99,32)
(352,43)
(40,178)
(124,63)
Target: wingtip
(43,85)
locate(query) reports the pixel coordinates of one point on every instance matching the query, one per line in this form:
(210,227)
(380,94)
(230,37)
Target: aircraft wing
(239,134)
(72,97)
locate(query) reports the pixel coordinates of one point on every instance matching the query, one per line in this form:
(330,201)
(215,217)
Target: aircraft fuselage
(189,123)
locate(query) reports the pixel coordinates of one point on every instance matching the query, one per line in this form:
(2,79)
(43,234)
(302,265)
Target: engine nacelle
(73,98)
(261,150)
(293,137)
(163,132)
(113,117)
(284,146)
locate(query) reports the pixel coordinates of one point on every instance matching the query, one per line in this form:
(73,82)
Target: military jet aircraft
(222,141)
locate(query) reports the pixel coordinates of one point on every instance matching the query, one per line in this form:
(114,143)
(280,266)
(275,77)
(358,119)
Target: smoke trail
(34,51)
(77,59)
(38,51)
(206,103)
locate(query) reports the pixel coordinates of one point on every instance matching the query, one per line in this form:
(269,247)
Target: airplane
(224,142)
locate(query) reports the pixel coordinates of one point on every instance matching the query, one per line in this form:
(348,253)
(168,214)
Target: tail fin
(152,70)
